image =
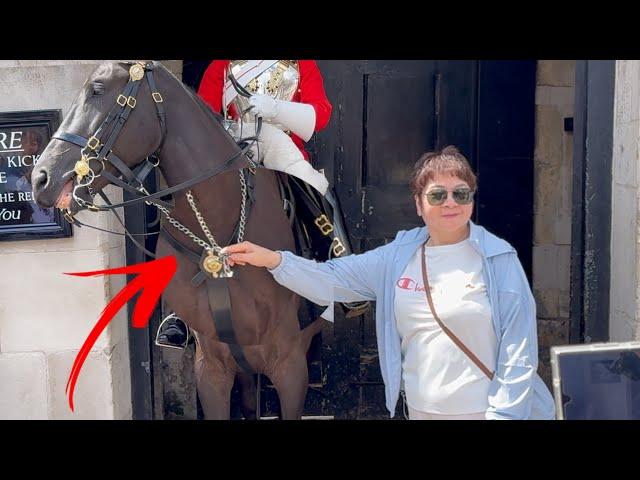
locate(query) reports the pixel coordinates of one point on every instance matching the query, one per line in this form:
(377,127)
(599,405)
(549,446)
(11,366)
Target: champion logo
(407,283)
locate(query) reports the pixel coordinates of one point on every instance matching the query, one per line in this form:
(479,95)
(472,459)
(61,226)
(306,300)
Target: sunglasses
(437,196)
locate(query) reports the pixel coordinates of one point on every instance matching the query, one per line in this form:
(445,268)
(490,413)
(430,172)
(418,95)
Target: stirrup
(165,343)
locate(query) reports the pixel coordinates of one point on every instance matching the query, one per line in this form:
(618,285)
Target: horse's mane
(203,105)
(195,97)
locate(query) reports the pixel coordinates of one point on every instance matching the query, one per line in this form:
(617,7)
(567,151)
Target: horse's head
(113,116)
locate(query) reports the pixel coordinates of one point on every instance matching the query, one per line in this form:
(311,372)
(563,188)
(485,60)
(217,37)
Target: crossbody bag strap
(451,335)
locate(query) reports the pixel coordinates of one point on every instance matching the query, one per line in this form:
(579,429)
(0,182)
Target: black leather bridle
(98,147)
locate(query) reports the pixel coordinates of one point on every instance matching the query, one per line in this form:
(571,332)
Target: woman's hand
(249,253)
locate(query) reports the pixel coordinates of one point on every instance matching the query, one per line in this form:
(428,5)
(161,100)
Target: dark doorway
(387,113)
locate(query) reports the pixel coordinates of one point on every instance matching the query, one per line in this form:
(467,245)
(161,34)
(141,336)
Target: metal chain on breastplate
(213,246)
(243,218)
(183,229)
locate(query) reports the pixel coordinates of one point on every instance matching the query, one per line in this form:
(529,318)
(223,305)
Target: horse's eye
(97,89)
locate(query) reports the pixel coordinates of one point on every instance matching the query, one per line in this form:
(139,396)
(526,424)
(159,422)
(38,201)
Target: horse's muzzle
(40,181)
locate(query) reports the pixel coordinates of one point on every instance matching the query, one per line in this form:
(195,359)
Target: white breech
(278,152)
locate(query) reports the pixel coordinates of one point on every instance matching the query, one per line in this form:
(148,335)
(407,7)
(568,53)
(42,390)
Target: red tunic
(310,91)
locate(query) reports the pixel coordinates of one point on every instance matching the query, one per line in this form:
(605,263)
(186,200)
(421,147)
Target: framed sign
(23,137)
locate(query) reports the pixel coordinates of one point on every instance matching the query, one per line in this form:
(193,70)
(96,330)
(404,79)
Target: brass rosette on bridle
(136,72)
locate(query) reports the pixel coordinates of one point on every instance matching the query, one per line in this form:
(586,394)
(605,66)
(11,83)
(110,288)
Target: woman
(483,364)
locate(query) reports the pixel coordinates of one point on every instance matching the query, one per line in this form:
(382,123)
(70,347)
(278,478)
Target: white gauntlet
(300,118)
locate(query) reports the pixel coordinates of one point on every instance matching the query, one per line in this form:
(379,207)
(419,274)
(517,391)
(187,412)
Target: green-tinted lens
(436,197)
(463,196)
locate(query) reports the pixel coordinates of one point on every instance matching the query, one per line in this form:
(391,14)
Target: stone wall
(552,205)
(45,315)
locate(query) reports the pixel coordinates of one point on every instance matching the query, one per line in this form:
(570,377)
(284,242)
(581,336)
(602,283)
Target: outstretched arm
(346,279)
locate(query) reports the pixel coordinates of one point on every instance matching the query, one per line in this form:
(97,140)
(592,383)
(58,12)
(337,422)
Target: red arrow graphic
(153,278)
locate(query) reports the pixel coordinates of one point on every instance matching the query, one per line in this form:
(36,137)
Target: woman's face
(450,216)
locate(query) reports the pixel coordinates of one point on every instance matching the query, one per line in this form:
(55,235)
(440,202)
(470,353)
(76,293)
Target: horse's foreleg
(290,378)
(214,384)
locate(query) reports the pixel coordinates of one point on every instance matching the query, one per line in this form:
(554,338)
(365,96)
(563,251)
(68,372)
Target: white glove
(300,118)
(264,106)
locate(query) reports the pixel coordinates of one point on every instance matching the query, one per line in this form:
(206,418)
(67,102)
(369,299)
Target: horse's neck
(194,143)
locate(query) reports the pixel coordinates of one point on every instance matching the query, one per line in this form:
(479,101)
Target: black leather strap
(143,170)
(159,107)
(211,172)
(71,138)
(219,302)
(79,224)
(116,181)
(120,120)
(220,306)
(308,199)
(82,142)
(120,166)
(236,85)
(135,242)
(111,157)
(306,194)
(193,256)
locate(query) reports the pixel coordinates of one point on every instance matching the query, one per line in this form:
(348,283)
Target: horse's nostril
(40,179)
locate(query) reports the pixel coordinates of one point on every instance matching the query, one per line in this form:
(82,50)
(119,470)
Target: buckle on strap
(337,247)
(93,143)
(157,97)
(68,217)
(323,223)
(131,102)
(121,100)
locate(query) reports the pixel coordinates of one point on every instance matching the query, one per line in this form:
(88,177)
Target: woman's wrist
(275,258)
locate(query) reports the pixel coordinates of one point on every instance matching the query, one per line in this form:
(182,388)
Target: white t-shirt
(438,376)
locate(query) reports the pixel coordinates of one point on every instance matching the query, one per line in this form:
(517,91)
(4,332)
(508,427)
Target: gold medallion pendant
(212,264)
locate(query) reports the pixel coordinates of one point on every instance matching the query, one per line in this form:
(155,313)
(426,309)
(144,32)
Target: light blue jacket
(516,392)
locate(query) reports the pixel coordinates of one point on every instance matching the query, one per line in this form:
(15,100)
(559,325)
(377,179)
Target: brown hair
(448,161)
